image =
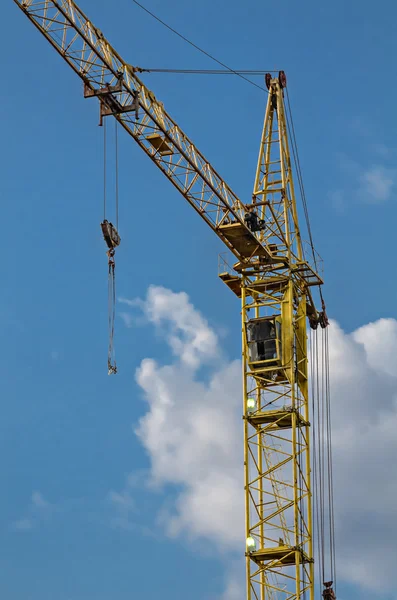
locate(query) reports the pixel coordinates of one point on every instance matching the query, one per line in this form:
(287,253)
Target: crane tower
(270,275)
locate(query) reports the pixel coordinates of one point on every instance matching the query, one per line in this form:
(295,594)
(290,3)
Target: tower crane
(271,276)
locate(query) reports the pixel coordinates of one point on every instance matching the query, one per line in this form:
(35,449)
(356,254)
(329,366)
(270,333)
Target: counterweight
(272,277)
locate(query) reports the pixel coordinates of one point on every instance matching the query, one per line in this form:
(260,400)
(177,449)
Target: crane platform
(277,419)
(283,555)
(307,273)
(243,241)
(259,286)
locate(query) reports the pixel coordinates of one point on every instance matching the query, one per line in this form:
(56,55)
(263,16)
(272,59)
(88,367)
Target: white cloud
(338,200)
(39,501)
(192,432)
(234,589)
(372,184)
(194,440)
(124,500)
(123,506)
(24,525)
(381,356)
(39,510)
(364,395)
(234,584)
(377,183)
(382,150)
(188,333)
(132,303)
(127,318)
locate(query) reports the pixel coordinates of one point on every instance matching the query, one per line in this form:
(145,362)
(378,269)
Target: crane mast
(279,558)
(271,276)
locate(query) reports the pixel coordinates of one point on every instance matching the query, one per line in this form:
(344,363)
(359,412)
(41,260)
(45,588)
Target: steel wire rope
(112,314)
(111,261)
(315,403)
(116,129)
(301,484)
(322,467)
(328,448)
(104,170)
(208,71)
(198,47)
(300,178)
(287,119)
(322,456)
(330,464)
(325,464)
(325,472)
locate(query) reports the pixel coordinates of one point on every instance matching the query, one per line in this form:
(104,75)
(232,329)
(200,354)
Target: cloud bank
(192,433)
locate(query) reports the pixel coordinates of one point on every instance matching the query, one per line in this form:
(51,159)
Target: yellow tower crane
(271,276)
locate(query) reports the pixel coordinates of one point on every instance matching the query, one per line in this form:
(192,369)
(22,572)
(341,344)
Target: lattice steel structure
(276,403)
(271,276)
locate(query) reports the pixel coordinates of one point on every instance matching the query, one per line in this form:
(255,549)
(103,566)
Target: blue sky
(66,433)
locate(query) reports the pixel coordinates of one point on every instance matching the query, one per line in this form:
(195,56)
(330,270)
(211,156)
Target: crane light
(251,404)
(251,544)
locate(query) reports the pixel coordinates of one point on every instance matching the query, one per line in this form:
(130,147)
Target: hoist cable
(322,467)
(322,455)
(198,47)
(111,249)
(320,472)
(104,169)
(291,137)
(330,466)
(314,382)
(321,406)
(295,152)
(111,314)
(329,450)
(300,178)
(301,442)
(117,172)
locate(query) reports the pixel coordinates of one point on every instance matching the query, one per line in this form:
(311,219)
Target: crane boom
(106,75)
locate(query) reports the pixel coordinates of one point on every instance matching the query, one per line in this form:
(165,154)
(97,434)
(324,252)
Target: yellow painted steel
(277,431)
(272,278)
(84,47)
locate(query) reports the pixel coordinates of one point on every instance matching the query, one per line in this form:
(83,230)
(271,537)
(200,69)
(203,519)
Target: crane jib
(96,62)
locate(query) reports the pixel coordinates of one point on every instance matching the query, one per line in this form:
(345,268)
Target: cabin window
(264,341)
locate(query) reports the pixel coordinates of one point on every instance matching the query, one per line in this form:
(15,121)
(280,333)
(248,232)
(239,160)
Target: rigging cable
(112,367)
(112,240)
(198,47)
(116,137)
(322,459)
(321,394)
(208,71)
(302,191)
(104,170)
(330,462)
(299,173)
(316,447)
(320,424)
